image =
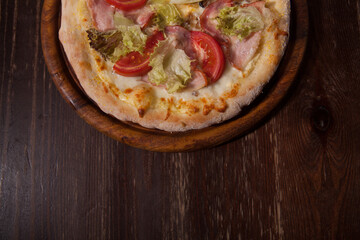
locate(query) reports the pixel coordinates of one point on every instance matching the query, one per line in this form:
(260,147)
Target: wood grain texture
(296,176)
(157,140)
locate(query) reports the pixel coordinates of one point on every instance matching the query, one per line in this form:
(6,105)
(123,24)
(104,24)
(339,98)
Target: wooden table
(296,176)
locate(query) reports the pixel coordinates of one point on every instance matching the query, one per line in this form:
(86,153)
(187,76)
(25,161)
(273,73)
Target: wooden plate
(157,140)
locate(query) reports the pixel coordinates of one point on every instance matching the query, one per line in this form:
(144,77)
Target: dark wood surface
(296,176)
(155,140)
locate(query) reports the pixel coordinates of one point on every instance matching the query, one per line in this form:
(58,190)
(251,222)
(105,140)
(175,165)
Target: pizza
(174,65)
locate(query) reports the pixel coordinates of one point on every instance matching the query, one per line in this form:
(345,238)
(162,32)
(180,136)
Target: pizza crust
(152,107)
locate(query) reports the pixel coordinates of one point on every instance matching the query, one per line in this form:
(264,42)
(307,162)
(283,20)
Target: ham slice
(140,16)
(259,5)
(181,39)
(238,53)
(208,21)
(198,81)
(102,14)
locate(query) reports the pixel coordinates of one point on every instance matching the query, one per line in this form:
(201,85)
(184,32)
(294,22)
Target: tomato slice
(136,64)
(209,54)
(127,5)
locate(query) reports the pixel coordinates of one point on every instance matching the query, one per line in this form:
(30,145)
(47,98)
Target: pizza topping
(180,38)
(140,16)
(133,39)
(239,21)
(184,1)
(105,17)
(121,20)
(105,42)
(186,58)
(198,81)
(170,67)
(135,63)
(209,55)
(166,15)
(243,46)
(238,28)
(127,5)
(240,52)
(208,19)
(259,5)
(116,43)
(102,14)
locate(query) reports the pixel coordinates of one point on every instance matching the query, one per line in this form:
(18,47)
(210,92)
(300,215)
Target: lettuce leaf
(157,75)
(120,20)
(170,67)
(133,38)
(166,15)
(113,44)
(240,22)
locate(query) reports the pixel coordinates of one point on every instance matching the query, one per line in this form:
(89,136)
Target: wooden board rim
(157,140)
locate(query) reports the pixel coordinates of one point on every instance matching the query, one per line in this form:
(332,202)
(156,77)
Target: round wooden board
(157,140)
